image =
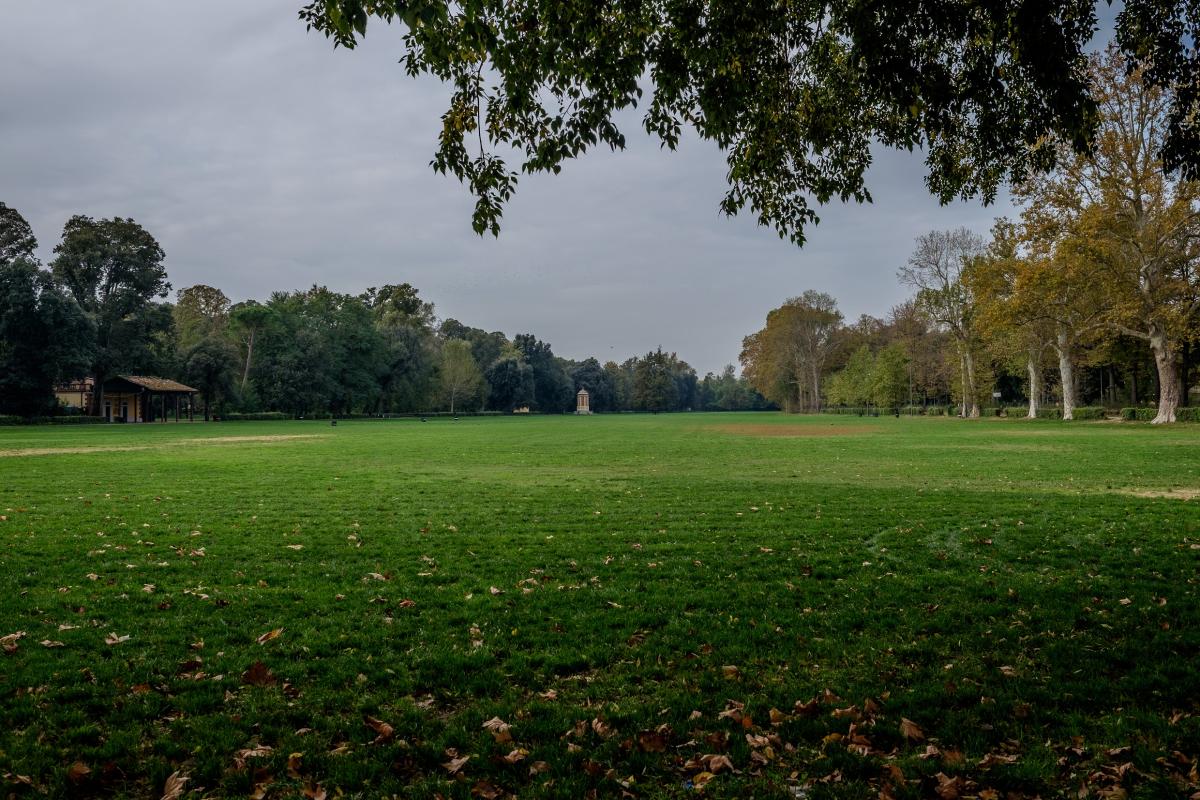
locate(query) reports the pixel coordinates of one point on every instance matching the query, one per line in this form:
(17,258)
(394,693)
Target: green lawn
(650,604)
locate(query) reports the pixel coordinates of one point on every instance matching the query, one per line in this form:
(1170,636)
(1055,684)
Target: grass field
(732,605)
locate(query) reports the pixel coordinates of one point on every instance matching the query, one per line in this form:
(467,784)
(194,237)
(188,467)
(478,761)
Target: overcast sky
(263,159)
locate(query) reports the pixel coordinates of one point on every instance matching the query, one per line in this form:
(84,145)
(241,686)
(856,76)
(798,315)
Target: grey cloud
(262,159)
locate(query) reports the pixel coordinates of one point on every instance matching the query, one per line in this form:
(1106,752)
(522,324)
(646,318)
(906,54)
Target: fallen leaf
(495,591)
(173,788)
(313,791)
(384,731)
(518,754)
(499,729)
(454,765)
(51,643)
(910,730)
(114,638)
(258,674)
(269,635)
(78,772)
(9,642)
(486,791)
(538,767)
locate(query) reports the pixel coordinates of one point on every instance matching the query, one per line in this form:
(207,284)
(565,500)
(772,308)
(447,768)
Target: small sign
(996,395)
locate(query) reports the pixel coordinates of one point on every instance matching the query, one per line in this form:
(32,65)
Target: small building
(132,398)
(583,402)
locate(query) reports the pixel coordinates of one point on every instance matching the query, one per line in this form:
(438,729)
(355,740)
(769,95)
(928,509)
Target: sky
(262,159)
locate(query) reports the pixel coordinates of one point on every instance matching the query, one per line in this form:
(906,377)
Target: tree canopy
(796,94)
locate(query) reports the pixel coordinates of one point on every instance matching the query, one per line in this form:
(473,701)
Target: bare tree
(935,270)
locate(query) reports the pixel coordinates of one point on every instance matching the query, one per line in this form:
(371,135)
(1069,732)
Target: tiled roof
(157,384)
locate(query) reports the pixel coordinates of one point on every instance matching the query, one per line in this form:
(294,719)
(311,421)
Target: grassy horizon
(739,604)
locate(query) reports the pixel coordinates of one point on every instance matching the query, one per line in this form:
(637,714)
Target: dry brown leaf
(78,772)
(258,674)
(115,638)
(173,788)
(384,731)
(496,591)
(51,643)
(9,642)
(486,791)
(910,730)
(313,791)
(538,767)
(455,765)
(518,754)
(652,741)
(269,635)
(499,729)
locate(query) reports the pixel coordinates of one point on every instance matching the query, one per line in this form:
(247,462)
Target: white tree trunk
(1168,376)
(1066,371)
(970,395)
(1035,387)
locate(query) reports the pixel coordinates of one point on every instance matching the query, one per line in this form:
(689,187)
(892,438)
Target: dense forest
(101,308)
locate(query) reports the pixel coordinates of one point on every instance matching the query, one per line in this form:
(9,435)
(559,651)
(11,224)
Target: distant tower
(582,402)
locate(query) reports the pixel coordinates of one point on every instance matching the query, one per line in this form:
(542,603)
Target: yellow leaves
(114,638)
(910,730)
(384,732)
(269,635)
(174,785)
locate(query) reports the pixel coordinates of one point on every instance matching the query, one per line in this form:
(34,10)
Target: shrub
(913,411)
(1053,412)
(10,419)
(256,416)
(1188,414)
(1138,414)
(1090,412)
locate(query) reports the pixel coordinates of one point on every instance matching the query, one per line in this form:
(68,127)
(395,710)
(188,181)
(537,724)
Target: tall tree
(795,94)
(200,312)
(247,320)
(510,382)
(553,391)
(45,338)
(654,385)
(1131,218)
(16,236)
(935,270)
(113,268)
(459,373)
(787,359)
(210,365)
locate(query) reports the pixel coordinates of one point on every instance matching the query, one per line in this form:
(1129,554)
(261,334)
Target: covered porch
(141,398)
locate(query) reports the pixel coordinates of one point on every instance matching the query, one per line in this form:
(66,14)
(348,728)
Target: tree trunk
(1066,371)
(1168,378)
(249,355)
(962,382)
(816,389)
(206,406)
(969,390)
(1184,370)
(451,402)
(1035,387)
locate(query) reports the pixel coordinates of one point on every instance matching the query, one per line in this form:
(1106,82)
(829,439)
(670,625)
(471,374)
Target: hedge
(10,419)
(1182,414)
(255,416)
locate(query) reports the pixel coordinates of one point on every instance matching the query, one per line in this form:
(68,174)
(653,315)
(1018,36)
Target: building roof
(157,384)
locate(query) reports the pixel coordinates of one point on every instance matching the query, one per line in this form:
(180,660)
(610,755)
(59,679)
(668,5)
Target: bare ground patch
(62,451)
(1168,494)
(789,431)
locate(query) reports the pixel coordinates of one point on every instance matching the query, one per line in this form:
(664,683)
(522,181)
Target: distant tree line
(100,309)
(1090,296)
